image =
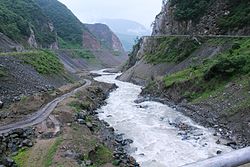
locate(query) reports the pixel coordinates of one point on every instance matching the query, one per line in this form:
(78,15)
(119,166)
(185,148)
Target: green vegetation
(51,152)
(116,53)
(78,106)
(81,53)
(101,155)
(212,76)
(239,15)
(44,62)
(68,27)
(21,157)
(189,9)
(2,73)
(171,49)
(182,76)
(17,17)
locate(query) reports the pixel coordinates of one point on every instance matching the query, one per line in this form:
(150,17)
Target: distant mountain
(126,30)
(105,35)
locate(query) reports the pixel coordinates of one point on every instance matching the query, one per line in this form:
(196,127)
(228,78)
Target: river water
(162,136)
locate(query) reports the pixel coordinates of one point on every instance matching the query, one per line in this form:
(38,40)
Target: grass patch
(81,53)
(78,106)
(51,152)
(182,76)
(21,157)
(171,49)
(101,155)
(43,61)
(211,77)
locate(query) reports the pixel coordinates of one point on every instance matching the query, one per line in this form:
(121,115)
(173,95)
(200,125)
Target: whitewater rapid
(157,141)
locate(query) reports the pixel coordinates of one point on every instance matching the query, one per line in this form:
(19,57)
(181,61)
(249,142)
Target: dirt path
(41,114)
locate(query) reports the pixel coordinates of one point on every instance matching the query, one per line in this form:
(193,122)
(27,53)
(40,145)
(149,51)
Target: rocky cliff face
(217,17)
(106,37)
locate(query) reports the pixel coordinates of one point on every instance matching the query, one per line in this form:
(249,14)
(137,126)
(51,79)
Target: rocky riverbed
(211,113)
(157,129)
(82,136)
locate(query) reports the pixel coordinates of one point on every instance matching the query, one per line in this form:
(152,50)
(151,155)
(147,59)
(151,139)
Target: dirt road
(41,114)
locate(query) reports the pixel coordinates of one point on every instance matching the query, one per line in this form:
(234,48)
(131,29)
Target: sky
(90,11)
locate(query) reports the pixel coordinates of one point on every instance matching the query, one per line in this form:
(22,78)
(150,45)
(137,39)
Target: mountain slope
(72,34)
(68,27)
(106,36)
(203,17)
(126,30)
(207,77)
(23,21)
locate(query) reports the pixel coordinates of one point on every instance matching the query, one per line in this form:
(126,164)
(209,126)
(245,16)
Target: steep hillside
(25,73)
(50,24)
(69,28)
(24,22)
(207,77)
(203,17)
(72,34)
(107,38)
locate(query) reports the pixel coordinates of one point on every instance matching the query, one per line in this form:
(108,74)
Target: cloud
(142,11)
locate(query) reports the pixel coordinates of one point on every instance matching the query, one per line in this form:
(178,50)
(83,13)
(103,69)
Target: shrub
(189,9)
(171,49)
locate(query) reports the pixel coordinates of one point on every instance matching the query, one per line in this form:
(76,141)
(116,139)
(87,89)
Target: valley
(71,95)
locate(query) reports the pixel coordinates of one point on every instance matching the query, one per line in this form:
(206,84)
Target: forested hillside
(69,28)
(19,18)
(203,17)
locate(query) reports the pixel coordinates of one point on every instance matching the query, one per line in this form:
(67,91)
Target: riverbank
(210,112)
(72,136)
(156,129)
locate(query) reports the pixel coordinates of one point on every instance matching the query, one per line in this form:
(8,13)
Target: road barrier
(231,159)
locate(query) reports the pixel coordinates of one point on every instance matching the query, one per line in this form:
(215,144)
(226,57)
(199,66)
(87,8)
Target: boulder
(8,161)
(71,154)
(89,125)
(27,143)
(80,121)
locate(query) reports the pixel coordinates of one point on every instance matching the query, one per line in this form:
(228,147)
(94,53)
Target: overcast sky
(88,11)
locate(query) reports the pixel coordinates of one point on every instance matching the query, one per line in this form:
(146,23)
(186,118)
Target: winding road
(42,113)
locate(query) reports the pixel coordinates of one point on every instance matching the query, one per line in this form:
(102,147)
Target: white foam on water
(150,126)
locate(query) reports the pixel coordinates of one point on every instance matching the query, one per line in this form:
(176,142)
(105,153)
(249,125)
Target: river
(162,136)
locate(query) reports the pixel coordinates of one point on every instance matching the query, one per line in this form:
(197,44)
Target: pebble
(219,152)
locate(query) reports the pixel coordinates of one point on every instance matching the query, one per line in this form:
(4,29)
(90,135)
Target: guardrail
(211,36)
(231,159)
